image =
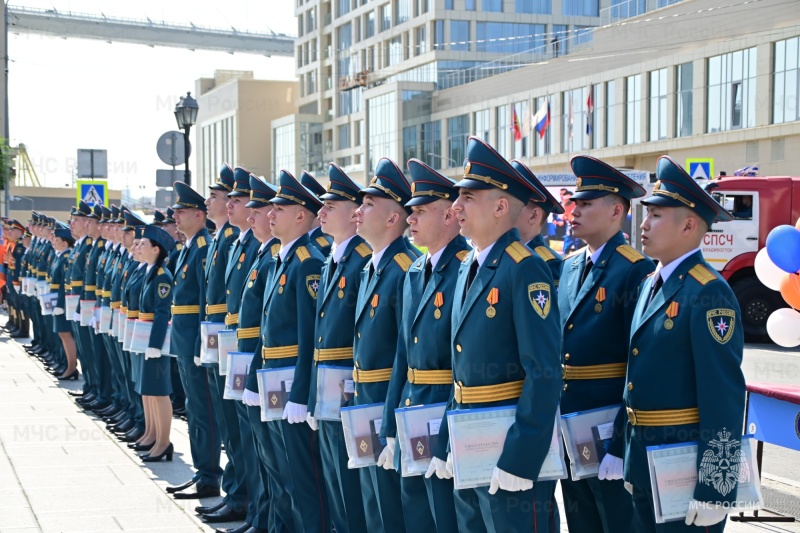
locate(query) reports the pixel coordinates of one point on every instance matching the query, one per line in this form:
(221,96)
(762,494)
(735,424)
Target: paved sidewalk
(61,471)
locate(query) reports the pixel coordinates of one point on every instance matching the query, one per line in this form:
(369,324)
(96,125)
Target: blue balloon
(783,248)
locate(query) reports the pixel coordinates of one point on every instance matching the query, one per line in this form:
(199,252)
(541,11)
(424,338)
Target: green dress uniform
(336,311)
(57,283)
(287,339)
(89,295)
(684,381)
(188,298)
(379,312)
(504,321)
(317,238)
(422,372)
(598,302)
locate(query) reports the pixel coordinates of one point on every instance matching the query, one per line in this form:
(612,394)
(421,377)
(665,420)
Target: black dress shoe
(74,375)
(132,436)
(111,410)
(116,419)
(226,514)
(201,490)
(76,393)
(244,528)
(98,406)
(172,489)
(141,447)
(207,509)
(124,427)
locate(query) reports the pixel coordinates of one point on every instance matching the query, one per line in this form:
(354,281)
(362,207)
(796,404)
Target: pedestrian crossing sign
(93,192)
(701,168)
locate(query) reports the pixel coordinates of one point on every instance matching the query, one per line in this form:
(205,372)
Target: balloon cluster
(778,266)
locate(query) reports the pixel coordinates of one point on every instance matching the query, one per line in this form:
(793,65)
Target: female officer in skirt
(63,243)
(154,384)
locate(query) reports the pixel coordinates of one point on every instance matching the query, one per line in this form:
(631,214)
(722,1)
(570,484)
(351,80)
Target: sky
(66,94)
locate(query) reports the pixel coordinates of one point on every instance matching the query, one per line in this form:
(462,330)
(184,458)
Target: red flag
(515,125)
(590,112)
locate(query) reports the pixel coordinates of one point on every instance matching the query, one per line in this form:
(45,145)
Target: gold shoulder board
(322,241)
(517,251)
(403,260)
(228,232)
(630,253)
(462,255)
(160,271)
(701,274)
(275,248)
(363,249)
(544,252)
(302,253)
(201,242)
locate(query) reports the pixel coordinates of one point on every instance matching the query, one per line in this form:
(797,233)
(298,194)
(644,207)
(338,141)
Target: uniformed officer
(273,495)
(63,242)
(178,394)
(596,299)
(534,217)
(188,298)
(287,339)
(422,372)
(684,377)
(503,319)
(336,310)
(382,223)
(320,240)
(14,233)
(231,508)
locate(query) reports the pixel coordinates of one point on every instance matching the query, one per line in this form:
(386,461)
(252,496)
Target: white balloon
(768,273)
(783,327)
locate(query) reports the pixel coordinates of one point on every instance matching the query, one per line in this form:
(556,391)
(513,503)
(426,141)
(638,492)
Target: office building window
(283,149)
(503,134)
(431,143)
(786,86)
(469,5)
(533,7)
(410,143)
(438,35)
(369,25)
(459,35)
(382,127)
(521,147)
(493,5)
(580,8)
(421,41)
(683,104)
(394,51)
(457,135)
(658,104)
(342,8)
(311,147)
(482,124)
(403,12)
(343,137)
(311,23)
(448,4)
(732,91)
(541,141)
(574,111)
(423,6)
(509,37)
(611,113)
(633,109)
(386,17)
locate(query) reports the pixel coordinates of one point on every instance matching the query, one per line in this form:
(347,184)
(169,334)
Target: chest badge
(492,298)
(600,297)
(281,283)
(671,312)
(342,285)
(374,305)
(721,323)
(539,296)
(438,301)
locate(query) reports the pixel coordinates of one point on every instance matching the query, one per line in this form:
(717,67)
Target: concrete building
(233,124)
(698,78)
(53,201)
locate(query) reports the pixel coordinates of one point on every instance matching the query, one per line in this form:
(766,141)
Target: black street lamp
(186,116)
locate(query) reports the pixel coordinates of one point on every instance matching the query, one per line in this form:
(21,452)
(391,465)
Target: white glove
(295,413)
(386,458)
(92,322)
(610,468)
(58,311)
(312,422)
(503,480)
(629,488)
(197,362)
(439,467)
(152,353)
(251,398)
(704,514)
(76,317)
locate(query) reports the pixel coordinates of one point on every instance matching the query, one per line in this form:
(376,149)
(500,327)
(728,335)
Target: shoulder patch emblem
(312,284)
(302,253)
(228,232)
(539,296)
(461,255)
(721,323)
(544,252)
(163,290)
(322,241)
(201,242)
(403,261)
(701,274)
(517,251)
(630,253)
(363,249)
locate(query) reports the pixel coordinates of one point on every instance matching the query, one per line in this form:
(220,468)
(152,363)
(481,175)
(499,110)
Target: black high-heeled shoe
(138,447)
(74,375)
(156,458)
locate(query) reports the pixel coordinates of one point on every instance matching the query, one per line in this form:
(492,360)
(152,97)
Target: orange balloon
(790,290)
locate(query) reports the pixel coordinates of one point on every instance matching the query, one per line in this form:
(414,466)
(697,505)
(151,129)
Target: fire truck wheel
(757,303)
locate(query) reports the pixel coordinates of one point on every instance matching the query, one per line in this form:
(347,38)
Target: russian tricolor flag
(542,119)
